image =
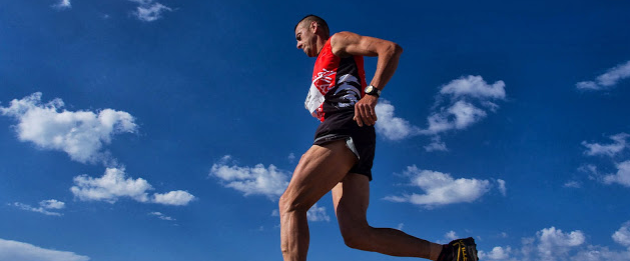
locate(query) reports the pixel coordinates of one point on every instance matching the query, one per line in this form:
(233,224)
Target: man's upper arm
(347,44)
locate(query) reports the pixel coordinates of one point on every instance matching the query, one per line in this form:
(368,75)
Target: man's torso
(337,84)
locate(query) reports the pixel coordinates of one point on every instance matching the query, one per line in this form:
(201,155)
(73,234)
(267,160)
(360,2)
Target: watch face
(371,90)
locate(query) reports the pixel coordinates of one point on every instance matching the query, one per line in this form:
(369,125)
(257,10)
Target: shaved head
(306,21)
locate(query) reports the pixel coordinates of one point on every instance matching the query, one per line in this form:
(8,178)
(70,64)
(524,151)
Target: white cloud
(257,180)
(608,79)
(441,188)
(596,149)
(81,134)
(474,86)
(459,104)
(462,103)
(63,4)
(459,116)
(502,187)
(18,251)
(572,184)
(436,145)
(551,244)
(590,169)
(612,150)
(451,235)
(598,253)
(114,184)
(622,176)
(554,244)
(45,206)
(465,114)
(175,198)
(52,204)
(497,253)
(110,187)
(161,216)
(149,10)
(391,127)
(291,157)
(622,236)
(400,226)
(317,213)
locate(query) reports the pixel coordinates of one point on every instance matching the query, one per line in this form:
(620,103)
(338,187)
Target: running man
(342,153)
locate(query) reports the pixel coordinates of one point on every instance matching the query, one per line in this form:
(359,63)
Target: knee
(288,204)
(357,237)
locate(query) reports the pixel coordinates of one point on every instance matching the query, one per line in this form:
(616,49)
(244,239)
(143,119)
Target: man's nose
(299,45)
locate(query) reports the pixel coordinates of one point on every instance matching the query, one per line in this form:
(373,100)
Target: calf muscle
(319,170)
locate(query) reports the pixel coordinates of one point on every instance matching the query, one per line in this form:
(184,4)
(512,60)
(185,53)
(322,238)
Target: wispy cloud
(608,79)
(114,185)
(149,10)
(400,226)
(442,189)
(436,145)
(572,184)
(258,180)
(552,244)
(613,151)
(502,188)
(45,207)
(497,253)
(391,127)
(462,103)
(459,104)
(451,235)
(80,134)
(596,149)
(315,214)
(18,251)
(622,236)
(63,4)
(622,176)
(174,198)
(146,11)
(161,216)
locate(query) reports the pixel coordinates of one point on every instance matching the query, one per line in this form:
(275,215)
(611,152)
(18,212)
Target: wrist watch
(371,90)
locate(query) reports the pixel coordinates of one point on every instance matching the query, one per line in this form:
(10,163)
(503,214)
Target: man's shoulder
(339,41)
(342,36)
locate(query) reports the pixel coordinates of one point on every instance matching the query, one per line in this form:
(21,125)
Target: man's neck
(320,43)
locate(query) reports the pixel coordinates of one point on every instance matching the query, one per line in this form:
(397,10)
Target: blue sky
(166,130)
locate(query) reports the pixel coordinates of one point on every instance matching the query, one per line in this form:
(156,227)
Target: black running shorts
(360,140)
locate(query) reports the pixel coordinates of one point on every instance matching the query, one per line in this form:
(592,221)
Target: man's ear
(314,27)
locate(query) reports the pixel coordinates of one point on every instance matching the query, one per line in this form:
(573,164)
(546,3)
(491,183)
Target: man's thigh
(351,198)
(318,171)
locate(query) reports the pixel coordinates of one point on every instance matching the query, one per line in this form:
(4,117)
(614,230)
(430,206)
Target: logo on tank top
(324,80)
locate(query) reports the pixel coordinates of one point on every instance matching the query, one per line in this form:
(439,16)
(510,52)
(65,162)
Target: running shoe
(460,250)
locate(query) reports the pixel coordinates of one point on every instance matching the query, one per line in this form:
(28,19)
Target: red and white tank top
(338,83)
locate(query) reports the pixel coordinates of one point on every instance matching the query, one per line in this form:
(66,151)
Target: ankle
(436,251)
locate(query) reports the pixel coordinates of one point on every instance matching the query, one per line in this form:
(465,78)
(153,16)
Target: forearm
(386,65)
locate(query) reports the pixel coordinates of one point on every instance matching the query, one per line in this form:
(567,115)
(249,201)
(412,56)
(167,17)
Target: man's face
(306,39)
